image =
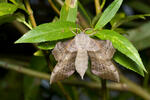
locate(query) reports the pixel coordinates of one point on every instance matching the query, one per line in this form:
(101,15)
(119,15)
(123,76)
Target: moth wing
(107,49)
(103,68)
(64,68)
(103,48)
(94,45)
(59,50)
(71,46)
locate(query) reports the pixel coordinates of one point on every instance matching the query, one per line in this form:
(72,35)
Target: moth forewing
(71,47)
(101,64)
(59,51)
(107,49)
(66,62)
(103,68)
(73,55)
(64,68)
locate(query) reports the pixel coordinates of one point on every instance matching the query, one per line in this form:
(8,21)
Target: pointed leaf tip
(108,14)
(48,32)
(123,45)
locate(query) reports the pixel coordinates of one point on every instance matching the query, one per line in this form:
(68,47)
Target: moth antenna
(71,29)
(76,29)
(74,32)
(86,29)
(89,29)
(92,34)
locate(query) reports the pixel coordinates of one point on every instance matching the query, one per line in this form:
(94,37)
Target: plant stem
(127,86)
(97,7)
(23,70)
(95,85)
(104,90)
(64,91)
(20,27)
(60,85)
(103,3)
(147,76)
(54,7)
(135,88)
(30,12)
(60,2)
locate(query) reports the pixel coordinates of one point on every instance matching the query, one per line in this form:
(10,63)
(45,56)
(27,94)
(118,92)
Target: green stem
(60,2)
(135,88)
(29,26)
(97,7)
(147,77)
(30,12)
(23,70)
(103,3)
(104,90)
(54,7)
(127,85)
(20,27)
(64,91)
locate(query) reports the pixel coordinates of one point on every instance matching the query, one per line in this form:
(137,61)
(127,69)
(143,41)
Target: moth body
(73,55)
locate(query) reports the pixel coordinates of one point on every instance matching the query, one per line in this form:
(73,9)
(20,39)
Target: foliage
(49,32)
(107,25)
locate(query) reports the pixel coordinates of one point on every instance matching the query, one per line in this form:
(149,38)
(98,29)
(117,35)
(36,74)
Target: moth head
(81,40)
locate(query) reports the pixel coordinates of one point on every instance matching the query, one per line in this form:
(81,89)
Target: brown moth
(73,55)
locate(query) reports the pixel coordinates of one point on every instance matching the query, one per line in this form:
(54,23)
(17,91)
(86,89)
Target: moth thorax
(82,40)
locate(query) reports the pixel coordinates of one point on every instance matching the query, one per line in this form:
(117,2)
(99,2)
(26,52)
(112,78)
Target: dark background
(13,85)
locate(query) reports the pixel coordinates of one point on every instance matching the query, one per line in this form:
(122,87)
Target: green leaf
(108,14)
(7,18)
(14,2)
(17,16)
(38,53)
(128,63)
(2,1)
(117,23)
(69,11)
(7,8)
(19,4)
(122,44)
(21,18)
(47,45)
(117,18)
(48,32)
(140,36)
(121,30)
